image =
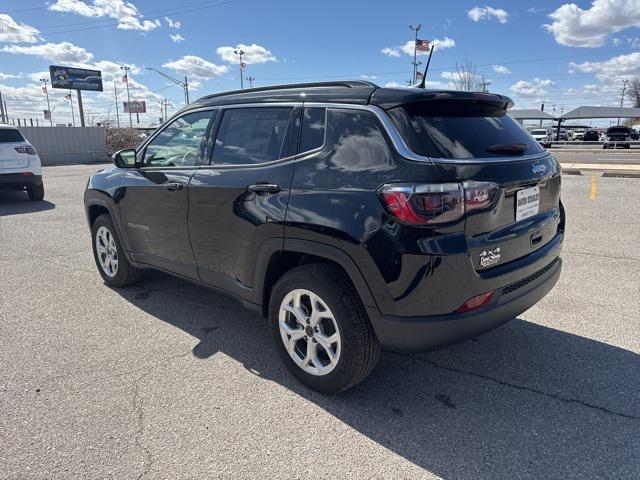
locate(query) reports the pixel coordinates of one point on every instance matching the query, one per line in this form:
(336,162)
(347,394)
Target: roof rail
(344,84)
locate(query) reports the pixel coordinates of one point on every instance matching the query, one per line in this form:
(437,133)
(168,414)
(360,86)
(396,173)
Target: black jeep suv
(354,217)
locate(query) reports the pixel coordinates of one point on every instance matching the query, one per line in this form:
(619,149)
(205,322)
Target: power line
(94,23)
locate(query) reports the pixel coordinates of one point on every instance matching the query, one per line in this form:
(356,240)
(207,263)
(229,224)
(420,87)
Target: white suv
(20,167)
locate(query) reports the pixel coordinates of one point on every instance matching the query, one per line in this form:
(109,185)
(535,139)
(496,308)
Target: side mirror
(125,158)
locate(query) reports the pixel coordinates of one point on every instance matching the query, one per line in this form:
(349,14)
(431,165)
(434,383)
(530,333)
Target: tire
(357,350)
(124,273)
(36,192)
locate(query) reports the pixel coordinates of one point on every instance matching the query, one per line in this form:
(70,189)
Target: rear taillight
(28,149)
(435,203)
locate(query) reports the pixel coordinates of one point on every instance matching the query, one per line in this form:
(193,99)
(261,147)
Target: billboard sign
(137,106)
(47,114)
(71,78)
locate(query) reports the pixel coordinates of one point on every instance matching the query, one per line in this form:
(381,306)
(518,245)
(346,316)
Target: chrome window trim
(386,121)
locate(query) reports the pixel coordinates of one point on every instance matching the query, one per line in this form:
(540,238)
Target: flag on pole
(243,66)
(419,76)
(125,79)
(422,45)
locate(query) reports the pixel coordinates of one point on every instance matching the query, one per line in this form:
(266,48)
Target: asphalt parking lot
(168,380)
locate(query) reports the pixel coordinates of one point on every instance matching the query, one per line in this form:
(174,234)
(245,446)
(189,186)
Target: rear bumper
(429,332)
(18,180)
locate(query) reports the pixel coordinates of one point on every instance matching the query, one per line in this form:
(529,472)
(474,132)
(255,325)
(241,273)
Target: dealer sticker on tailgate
(527,203)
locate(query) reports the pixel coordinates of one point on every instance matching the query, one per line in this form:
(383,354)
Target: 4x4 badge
(489,257)
(538,168)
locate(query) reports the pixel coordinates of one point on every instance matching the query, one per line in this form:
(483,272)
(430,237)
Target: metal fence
(68,145)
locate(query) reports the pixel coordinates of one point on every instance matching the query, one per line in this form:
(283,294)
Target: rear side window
(313,128)
(10,135)
(357,142)
(460,129)
(251,135)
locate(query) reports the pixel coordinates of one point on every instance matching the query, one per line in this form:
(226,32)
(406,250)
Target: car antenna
(426,69)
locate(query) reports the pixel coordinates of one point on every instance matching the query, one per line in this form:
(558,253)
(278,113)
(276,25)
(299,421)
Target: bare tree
(634,92)
(467,77)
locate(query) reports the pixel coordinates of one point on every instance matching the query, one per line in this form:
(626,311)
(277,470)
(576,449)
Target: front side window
(456,129)
(180,144)
(251,135)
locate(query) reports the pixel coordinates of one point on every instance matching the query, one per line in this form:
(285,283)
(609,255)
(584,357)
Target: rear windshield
(10,135)
(460,129)
(618,130)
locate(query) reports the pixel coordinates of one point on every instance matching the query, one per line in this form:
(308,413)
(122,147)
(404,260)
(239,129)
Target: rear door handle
(264,188)
(173,187)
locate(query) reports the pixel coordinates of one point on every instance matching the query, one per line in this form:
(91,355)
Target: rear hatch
(618,134)
(11,141)
(515,182)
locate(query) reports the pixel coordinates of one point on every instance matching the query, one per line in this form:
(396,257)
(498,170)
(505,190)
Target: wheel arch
(276,258)
(97,203)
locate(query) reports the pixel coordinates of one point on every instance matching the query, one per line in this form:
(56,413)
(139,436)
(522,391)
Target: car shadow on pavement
(17,203)
(522,401)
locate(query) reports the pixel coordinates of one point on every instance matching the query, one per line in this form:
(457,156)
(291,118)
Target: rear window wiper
(508,148)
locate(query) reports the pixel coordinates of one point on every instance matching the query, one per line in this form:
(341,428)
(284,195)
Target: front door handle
(173,187)
(264,188)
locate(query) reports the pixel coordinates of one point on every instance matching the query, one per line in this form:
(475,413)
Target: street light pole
(126,79)
(46,92)
(416,29)
(240,52)
(251,79)
(115,91)
(184,85)
(624,89)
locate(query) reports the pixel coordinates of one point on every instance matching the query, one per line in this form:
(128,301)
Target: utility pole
(115,91)
(46,92)
(624,89)
(251,80)
(73,117)
(3,117)
(80,108)
(240,52)
(484,84)
(186,90)
(416,29)
(126,80)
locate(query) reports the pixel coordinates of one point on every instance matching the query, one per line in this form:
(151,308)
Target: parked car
(542,136)
(618,136)
(591,136)
(354,217)
(20,167)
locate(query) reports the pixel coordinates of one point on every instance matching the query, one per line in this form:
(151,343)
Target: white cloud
(126,13)
(393,84)
(438,44)
(196,67)
(615,69)
(6,76)
(501,69)
(487,13)
(172,23)
(575,27)
(177,38)
(391,51)
(252,54)
(56,52)
(534,89)
(369,77)
(616,42)
(16,32)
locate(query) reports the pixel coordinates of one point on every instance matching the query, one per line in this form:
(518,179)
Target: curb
(613,170)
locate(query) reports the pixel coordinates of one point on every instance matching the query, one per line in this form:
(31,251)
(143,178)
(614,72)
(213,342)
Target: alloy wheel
(107,252)
(309,332)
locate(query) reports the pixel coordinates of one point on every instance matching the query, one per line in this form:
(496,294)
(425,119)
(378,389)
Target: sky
(562,54)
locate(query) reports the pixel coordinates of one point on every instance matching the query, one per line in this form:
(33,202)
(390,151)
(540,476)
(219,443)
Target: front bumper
(426,333)
(18,180)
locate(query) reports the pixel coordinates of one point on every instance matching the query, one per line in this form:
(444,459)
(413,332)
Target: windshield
(460,129)
(10,135)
